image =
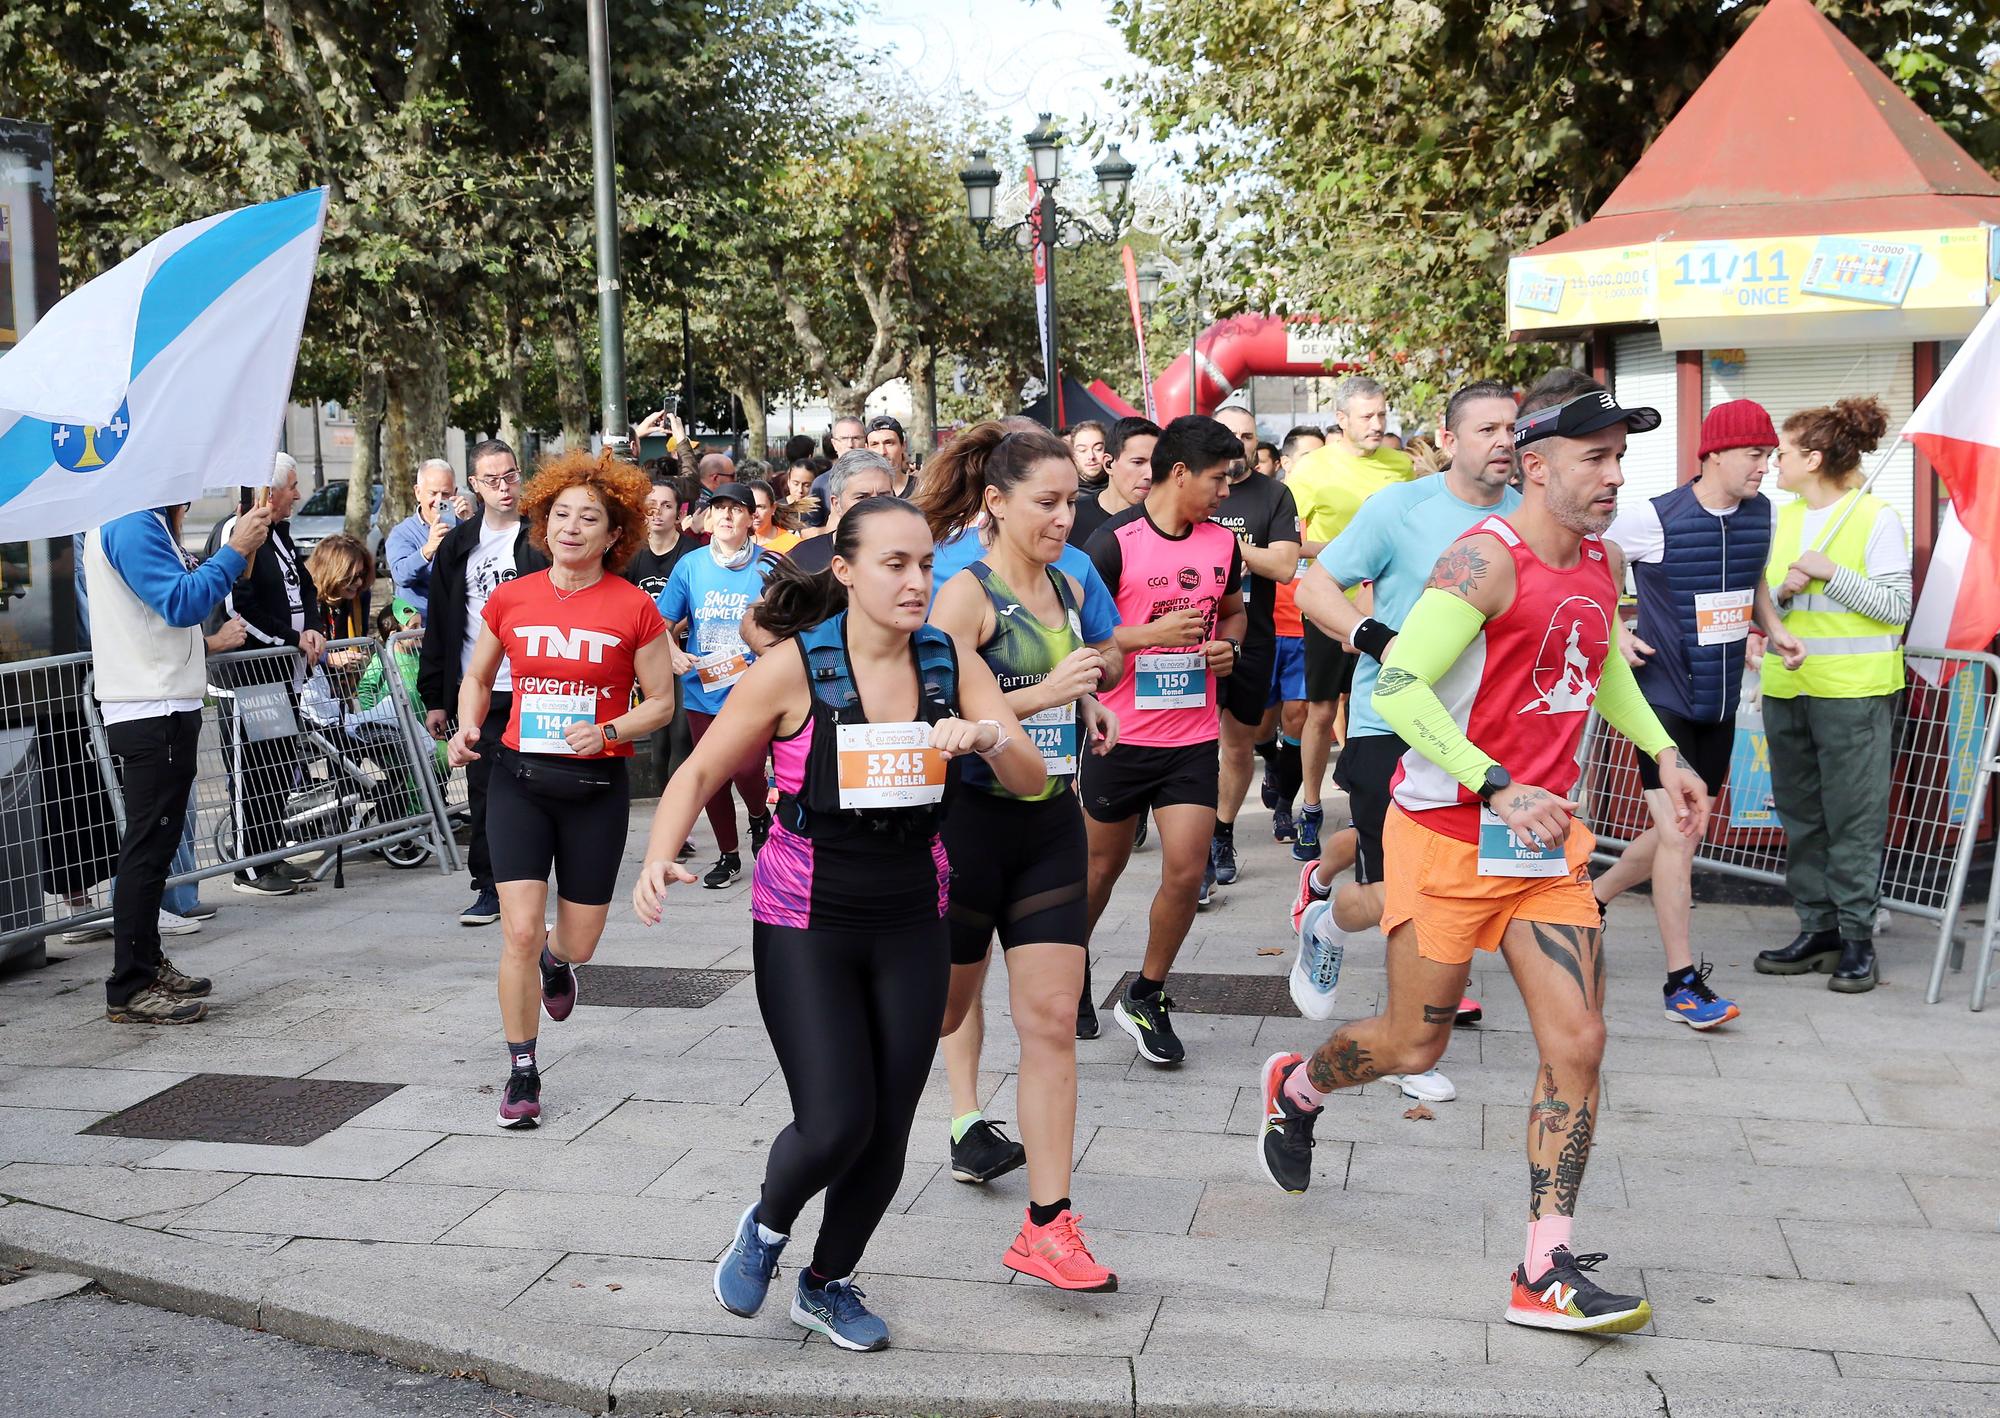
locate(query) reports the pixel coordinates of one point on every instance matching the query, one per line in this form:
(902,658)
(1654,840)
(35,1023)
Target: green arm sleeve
(1435,633)
(1622,705)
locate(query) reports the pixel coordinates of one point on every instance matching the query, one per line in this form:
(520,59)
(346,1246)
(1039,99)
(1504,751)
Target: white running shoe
(1316,971)
(1431,1087)
(83,934)
(170,924)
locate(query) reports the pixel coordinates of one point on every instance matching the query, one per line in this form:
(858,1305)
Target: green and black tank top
(1021,651)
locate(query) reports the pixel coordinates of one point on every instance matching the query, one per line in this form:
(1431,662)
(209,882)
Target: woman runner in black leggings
(862,707)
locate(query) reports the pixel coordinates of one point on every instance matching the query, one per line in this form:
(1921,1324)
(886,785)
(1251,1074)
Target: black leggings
(854,1017)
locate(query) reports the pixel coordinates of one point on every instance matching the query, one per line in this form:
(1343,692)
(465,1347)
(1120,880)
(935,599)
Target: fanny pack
(559,778)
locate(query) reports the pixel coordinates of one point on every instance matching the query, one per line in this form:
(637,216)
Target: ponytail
(989,454)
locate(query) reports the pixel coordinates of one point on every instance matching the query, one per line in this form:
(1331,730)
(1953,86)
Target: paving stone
(529,1162)
(672,1080)
(364,1154)
(151,1267)
(34,1289)
(489,1275)
(465,1063)
(1326,1217)
(1692,1396)
(471,1110)
(673,1295)
(113,1193)
(1162,1203)
(1758,1063)
(103,1090)
(1513,1344)
(1373,1115)
(1889,1366)
(1954,1107)
(55,1135)
(1728,1097)
(1900,1257)
(184,1051)
(601,1225)
(1679,1055)
(1195,1156)
(1202,1387)
(1624,1133)
(712,1127)
(1454,1284)
(1180,1107)
(1190,1325)
(1704,1187)
(1814,1315)
(1640,1238)
(1935,1152)
(339,1209)
(1958,1203)
(1487,1176)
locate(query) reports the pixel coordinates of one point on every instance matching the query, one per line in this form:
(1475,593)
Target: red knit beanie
(1740,423)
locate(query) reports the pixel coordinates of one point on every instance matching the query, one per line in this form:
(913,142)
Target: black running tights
(854,1017)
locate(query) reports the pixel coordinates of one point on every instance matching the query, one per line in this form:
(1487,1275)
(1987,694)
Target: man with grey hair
(856,474)
(413,542)
(847,435)
(1329,486)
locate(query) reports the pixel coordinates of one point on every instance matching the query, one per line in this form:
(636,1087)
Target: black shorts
(1705,748)
(1363,772)
(1245,692)
(1018,868)
(1329,666)
(1133,777)
(583,840)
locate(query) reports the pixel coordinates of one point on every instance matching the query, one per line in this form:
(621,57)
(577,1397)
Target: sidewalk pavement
(1810,1197)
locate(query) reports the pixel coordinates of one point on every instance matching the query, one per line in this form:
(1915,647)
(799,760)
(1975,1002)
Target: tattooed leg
(1409,1036)
(1560,970)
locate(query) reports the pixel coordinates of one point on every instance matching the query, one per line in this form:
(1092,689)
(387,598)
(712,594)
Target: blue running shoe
(1693,1003)
(1316,971)
(1305,830)
(745,1272)
(1281,823)
(837,1313)
(1222,859)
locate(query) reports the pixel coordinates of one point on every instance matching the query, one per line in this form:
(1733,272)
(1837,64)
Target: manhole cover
(1219,994)
(245,1107)
(652,986)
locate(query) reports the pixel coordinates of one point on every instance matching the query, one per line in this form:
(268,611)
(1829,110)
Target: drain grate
(1220,994)
(652,986)
(245,1107)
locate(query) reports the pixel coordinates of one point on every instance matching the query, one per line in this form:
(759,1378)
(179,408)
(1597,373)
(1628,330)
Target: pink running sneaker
(1306,895)
(558,985)
(521,1107)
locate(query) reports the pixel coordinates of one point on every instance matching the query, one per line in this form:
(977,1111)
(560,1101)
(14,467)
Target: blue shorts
(1288,671)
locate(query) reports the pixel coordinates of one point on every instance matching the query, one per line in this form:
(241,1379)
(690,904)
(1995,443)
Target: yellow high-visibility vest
(1848,655)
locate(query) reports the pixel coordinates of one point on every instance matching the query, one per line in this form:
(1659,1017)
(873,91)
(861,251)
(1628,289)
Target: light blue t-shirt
(1395,541)
(711,598)
(1099,610)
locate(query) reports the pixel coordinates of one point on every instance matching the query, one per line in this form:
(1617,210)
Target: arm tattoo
(1340,1063)
(1578,951)
(1549,1113)
(1440,1013)
(1459,570)
(1538,1187)
(1393,681)
(1570,1164)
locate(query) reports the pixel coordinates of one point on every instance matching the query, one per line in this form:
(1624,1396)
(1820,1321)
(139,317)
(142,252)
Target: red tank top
(1522,690)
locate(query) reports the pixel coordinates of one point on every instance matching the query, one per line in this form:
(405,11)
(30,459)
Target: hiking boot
(179,984)
(154,1005)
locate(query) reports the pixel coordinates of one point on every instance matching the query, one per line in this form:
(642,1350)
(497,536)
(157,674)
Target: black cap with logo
(1586,413)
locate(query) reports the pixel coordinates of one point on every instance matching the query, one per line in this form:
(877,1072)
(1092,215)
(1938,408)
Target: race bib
(1501,852)
(722,669)
(1053,733)
(544,717)
(1170,680)
(1722,617)
(888,765)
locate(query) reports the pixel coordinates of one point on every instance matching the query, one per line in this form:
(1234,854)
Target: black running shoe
(760,832)
(1086,1011)
(1222,859)
(1285,1147)
(1150,1023)
(1139,833)
(1207,893)
(1270,790)
(985,1153)
(1566,1298)
(686,853)
(727,868)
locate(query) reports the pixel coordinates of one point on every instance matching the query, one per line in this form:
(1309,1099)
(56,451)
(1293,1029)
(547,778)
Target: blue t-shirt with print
(711,598)
(1099,610)
(1395,541)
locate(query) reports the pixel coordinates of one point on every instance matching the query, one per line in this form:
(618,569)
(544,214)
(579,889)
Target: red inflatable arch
(1231,351)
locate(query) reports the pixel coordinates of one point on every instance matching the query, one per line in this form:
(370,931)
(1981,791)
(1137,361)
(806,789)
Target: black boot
(1809,951)
(1855,974)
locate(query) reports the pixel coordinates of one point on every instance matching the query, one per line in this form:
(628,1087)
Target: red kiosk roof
(1794,132)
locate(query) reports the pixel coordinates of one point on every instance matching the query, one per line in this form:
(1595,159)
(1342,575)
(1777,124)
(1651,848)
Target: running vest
(1700,590)
(1021,651)
(1523,689)
(1848,655)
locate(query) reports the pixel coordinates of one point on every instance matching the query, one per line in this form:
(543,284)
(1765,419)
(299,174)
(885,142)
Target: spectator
(414,541)
(1267,459)
(846,436)
(798,448)
(148,599)
(772,527)
(653,563)
(854,475)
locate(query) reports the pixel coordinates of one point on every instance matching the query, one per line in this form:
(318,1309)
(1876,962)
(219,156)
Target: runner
(1515,629)
(704,602)
(1329,487)
(1697,556)
(1284,771)
(1018,861)
(852,952)
(772,529)
(1260,514)
(578,637)
(1392,544)
(1175,574)
(1128,477)
(665,544)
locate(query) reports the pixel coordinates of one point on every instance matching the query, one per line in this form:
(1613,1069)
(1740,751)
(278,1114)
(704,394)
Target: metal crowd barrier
(290,767)
(1942,771)
(453,791)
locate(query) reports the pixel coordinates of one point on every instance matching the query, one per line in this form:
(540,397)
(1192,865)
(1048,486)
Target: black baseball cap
(734,492)
(886,421)
(1586,413)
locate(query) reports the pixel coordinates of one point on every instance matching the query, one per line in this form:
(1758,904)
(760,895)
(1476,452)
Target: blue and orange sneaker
(1566,1298)
(1693,1003)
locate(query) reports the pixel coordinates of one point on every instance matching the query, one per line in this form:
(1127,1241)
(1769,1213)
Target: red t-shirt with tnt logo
(572,655)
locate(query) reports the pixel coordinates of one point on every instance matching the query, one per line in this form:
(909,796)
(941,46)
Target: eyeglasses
(506,479)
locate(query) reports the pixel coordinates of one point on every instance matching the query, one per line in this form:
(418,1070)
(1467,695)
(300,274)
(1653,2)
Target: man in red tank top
(1491,683)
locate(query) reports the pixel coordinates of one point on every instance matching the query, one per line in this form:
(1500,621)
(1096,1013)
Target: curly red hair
(617,484)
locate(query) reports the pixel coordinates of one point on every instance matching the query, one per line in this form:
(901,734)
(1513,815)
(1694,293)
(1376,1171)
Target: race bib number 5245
(888,765)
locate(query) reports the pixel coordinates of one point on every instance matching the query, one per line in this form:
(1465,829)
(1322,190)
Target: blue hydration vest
(1704,553)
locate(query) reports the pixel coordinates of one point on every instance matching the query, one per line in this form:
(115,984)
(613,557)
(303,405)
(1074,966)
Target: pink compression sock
(1299,1089)
(1544,1236)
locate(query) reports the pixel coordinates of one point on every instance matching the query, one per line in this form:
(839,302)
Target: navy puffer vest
(1704,553)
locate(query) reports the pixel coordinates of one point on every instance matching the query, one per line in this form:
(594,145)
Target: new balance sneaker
(179,984)
(1150,1023)
(983,1153)
(1566,1298)
(558,986)
(1207,893)
(1222,860)
(760,832)
(1306,895)
(744,1274)
(1469,1011)
(1428,1087)
(1281,824)
(1315,977)
(837,1313)
(1305,834)
(171,924)
(484,910)
(154,1005)
(727,868)
(1693,1003)
(1285,1145)
(521,1105)
(1058,1254)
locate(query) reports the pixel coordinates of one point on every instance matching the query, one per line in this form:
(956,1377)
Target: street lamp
(1048,227)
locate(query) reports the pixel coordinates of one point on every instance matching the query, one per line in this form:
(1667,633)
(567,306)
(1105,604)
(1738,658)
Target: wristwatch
(610,730)
(1496,779)
(1235,646)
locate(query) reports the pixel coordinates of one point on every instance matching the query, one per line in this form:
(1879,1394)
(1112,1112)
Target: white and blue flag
(165,375)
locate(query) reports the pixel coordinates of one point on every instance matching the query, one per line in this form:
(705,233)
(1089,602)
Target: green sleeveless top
(1021,651)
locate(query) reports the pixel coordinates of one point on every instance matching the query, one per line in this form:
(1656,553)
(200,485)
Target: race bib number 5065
(888,765)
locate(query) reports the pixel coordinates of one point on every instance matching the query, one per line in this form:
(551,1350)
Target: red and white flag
(1958,428)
